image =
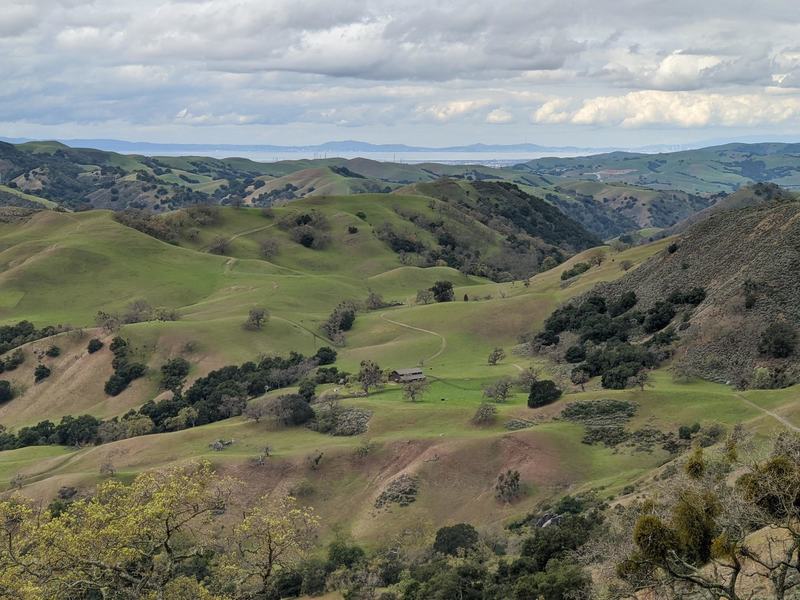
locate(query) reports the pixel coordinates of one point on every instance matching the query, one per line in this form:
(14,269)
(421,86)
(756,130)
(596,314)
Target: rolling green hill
(64,267)
(703,171)
(610,194)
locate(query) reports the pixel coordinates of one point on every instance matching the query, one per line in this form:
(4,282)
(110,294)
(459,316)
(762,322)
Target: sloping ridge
(748,196)
(759,245)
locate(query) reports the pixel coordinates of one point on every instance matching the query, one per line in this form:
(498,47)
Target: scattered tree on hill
(575,270)
(41,372)
(527,378)
(325,356)
(53,351)
(256,318)
(290,410)
(579,377)
(508,487)
(414,390)
(779,340)
(370,375)
(543,392)
(125,370)
(6,391)
(219,245)
(374,301)
(642,379)
(94,345)
(268,248)
(424,297)
(443,291)
(496,355)
(499,391)
(486,414)
(340,320)
(109,322)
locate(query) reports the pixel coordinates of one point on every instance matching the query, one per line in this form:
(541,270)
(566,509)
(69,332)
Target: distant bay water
(475,158)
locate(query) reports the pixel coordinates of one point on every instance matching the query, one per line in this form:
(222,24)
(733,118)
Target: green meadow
(65,267)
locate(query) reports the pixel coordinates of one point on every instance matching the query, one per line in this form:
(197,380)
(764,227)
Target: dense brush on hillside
(748,262)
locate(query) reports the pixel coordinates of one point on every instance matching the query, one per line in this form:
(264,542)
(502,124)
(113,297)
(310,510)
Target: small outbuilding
(406,375)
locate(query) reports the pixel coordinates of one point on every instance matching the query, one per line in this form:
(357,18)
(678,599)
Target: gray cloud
(463,68)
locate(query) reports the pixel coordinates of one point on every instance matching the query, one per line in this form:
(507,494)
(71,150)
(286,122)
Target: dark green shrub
(40,373)
(659,317)
(53,351)
(623,304)
(452,540)
(577,269)
(443,291)
(575,354)
(325,356)
(342,554)
(6,393)
(307,389)
(543,392)
(779,340)
(94,345)
(173,374)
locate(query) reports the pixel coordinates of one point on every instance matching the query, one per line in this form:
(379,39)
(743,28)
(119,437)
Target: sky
(422,72)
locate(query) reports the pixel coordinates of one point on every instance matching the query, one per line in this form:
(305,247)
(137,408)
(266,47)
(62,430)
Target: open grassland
(63,268)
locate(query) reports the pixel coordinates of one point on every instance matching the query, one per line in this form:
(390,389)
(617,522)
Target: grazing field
(64,268)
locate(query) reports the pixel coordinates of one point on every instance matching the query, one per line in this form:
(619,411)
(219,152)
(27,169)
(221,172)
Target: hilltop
(703,171)
(610,195)
(747,261)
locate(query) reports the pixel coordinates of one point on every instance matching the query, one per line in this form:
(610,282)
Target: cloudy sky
(434,72)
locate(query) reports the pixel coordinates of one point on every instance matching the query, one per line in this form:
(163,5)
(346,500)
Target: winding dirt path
(236,236)
(442,348)
(782,420)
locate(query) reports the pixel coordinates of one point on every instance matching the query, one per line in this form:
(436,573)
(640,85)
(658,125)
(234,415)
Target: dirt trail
(241,234)
(442,348)
(783,420)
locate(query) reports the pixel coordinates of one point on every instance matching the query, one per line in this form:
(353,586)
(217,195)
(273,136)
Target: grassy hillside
(707,170)
(608,194)
(747,262)
(99,264)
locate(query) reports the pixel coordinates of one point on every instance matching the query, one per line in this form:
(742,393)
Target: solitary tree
(641,380)
(508,486)
(580,377)
(527,378)
(424,297)
(443,291)
(499,390)
(370,375)
(414,390)
(542,393)
(256,319)
(496,355)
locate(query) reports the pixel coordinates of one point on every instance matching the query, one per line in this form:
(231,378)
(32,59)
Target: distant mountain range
(354,147)
(343,146)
